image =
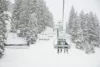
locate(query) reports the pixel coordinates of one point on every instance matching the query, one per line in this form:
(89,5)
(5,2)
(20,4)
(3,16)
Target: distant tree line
(84,30)
(30,17)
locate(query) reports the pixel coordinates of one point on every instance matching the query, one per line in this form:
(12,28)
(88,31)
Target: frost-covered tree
(3,17)
(93,31)
(73,24)
(31,17)
(72,18)
(85,34)
(90,31)
(84,30)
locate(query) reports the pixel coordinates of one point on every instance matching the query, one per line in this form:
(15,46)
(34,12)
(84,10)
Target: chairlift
(60,42)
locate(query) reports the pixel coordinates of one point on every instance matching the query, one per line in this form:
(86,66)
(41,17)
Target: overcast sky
(55,6)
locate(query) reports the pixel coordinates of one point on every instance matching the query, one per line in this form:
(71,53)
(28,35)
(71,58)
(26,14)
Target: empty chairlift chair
(61,44)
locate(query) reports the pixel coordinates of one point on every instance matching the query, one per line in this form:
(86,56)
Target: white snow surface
(43,54)
(12,38)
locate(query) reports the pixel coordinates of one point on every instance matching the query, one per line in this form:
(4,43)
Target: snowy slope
(43,54)
(12,38)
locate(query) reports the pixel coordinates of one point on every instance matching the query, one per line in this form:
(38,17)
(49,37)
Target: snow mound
(12,38)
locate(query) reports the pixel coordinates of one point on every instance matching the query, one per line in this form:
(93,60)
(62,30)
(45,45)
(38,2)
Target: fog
(55,6)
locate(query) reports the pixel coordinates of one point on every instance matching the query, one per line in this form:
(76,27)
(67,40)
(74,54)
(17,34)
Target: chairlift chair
(61,44)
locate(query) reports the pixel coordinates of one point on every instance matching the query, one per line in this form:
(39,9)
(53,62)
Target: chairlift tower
(63,12)
(62,21)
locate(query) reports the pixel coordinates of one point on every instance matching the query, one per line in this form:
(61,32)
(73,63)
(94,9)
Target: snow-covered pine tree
(84,30)
(90,31)
(30,17)
(73,24)
(3,7)
(85,34)
(93,31)
(72,17)
(15,15)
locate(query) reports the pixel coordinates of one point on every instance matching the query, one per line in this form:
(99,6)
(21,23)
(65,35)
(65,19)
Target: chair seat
(62,46)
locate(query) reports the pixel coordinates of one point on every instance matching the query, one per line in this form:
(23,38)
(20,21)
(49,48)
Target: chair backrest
(66,43)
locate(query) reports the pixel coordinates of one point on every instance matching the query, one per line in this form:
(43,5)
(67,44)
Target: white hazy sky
(55,6)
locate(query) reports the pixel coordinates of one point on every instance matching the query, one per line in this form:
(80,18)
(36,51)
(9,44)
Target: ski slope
(43,54)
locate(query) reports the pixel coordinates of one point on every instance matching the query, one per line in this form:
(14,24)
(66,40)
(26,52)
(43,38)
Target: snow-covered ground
(12,38)
(43,54)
